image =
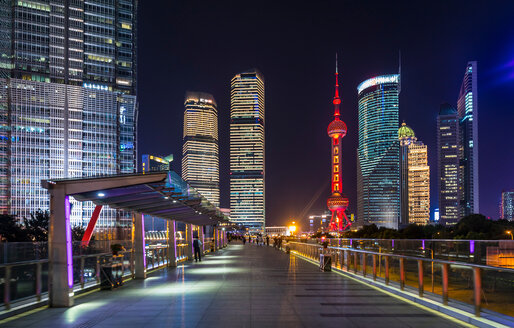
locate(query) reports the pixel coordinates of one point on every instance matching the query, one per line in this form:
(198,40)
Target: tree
(37,225)
(11,230)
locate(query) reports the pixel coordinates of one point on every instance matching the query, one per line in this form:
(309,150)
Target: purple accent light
(174,242)
(471,246)
(392,243)
(69,252)
(423,244)
(143,238)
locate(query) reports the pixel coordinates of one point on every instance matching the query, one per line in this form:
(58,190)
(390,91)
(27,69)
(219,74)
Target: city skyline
(299,87)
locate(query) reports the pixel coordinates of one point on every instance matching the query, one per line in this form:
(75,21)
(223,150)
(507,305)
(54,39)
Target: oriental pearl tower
(337,202)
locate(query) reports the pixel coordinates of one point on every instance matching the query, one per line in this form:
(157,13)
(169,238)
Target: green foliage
(37,225)
(474,226)
(11,230)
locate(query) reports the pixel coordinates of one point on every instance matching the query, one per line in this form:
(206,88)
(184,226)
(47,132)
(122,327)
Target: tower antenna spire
(337,100)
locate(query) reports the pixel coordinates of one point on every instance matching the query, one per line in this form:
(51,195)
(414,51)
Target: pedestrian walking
(267,240)
(196,246)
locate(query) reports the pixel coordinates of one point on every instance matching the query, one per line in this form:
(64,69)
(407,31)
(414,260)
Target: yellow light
(292,228)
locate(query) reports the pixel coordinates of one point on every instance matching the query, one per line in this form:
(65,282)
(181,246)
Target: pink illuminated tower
(337,202)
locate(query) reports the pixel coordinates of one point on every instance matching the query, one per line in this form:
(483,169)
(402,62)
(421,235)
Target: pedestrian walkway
(240,286)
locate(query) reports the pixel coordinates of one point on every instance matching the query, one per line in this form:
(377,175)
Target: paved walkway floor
(240,286)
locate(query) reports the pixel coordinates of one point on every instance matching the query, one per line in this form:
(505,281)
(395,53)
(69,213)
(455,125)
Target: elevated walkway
(239,286)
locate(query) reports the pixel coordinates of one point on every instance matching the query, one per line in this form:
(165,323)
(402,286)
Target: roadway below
(240,286)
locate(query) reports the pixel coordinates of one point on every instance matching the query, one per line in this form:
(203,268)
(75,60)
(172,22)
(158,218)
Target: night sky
(201,45)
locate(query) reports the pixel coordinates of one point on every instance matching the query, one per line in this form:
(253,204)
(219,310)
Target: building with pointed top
(414,179)
(337,203)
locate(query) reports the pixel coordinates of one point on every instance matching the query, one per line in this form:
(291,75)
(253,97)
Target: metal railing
(483,287)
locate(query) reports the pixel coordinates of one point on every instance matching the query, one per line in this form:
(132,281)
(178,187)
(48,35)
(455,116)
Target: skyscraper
(247,165)
(414,178)
(67,99)
(448,163)
(507,205)
(467,107)
(378,185)
(200,152)
(151,163)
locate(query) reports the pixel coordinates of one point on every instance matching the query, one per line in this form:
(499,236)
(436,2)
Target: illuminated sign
(95,86)
(393,78)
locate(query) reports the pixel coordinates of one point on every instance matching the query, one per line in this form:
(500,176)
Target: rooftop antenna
(399,71)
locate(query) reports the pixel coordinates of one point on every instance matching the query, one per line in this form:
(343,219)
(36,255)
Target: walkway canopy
(160,194)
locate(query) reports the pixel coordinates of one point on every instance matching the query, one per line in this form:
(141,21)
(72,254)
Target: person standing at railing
(196,246)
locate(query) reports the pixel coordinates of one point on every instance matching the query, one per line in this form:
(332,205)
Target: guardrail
(481,286)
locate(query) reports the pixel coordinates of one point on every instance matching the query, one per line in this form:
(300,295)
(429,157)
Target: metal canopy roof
(160,194)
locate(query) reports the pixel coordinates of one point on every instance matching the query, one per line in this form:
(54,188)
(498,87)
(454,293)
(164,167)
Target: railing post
(82,264)
(97,274)
(420,277)
(445,268)
(364,264)
(38,281)
(375,267)
(386,258)
(402,273)
(341,265)
(477,279)
(355,261)
(7,287)
(347,257)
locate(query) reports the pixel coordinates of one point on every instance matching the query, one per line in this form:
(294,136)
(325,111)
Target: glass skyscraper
(200,152)
(467,108)
(507,205)
(67,99)
(448,159)
(247,169)
(378,155)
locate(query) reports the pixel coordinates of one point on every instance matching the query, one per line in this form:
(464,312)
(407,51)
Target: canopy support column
(139,245)
(60,253)
(189,241)
(201,237)
(172,244)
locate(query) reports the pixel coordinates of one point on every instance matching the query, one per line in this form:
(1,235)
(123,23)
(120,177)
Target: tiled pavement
(240,286)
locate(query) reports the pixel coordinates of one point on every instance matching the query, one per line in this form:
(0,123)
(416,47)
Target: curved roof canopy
(160,194)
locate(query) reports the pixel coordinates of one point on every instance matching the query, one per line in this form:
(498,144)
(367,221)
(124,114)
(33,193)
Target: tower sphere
(337,202)
(336,128)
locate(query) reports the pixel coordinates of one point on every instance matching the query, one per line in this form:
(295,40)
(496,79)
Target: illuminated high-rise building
(247,166)
(414,178)
(200,152)
(67,99)
(152,163)
(378,160)
(448,160)
(467,108)
(507,205)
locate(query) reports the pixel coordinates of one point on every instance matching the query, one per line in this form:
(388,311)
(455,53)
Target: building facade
(448,164)
(378,155)
(247,159)
(200,152)
(507,205)
(467,108)
(67,99)
(414,178)
(152,163)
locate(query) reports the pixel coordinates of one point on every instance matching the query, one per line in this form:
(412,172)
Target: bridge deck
(241,286)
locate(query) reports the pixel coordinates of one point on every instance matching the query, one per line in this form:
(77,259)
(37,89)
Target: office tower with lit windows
(247,169)
(378,160)
(414,179)
(200,152)
(507,205)
(467,108)
(448,164)
(67,99)
(152,163)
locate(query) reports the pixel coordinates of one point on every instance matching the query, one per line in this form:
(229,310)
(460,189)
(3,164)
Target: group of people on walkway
(258,240)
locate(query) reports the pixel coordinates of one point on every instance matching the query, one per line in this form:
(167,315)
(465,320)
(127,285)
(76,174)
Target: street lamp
(508,232)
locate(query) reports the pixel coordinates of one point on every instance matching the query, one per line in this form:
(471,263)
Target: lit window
(336,159)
